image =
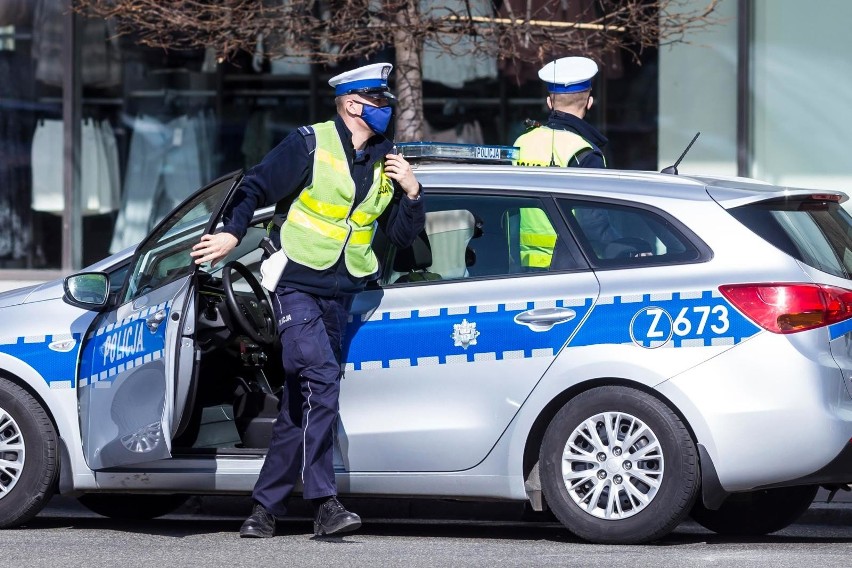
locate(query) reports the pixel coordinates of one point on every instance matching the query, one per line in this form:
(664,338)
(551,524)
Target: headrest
(446,221)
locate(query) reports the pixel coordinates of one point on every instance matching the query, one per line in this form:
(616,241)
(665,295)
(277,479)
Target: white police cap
(569,74)
(372,79)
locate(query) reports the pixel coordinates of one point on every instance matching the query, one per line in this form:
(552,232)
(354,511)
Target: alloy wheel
(12,453)
(612,465)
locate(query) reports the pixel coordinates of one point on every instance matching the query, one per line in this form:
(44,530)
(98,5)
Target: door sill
(205,452)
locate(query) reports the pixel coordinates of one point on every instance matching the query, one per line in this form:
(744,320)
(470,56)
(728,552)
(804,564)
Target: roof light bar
(445,151)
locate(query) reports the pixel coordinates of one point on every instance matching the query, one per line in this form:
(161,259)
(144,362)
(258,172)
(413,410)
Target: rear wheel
(127,507)
(757,512)
(28,456)
(618,466)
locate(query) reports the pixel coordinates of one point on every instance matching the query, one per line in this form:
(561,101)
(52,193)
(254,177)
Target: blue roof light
(446,151)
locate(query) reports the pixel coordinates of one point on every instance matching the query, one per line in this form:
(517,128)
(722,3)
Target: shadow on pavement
(406,518)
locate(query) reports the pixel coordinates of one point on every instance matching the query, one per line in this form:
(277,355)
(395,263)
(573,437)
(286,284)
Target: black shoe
(333,518)
(260,524)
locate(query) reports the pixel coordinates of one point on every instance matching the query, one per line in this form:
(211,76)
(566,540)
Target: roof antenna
(673,169)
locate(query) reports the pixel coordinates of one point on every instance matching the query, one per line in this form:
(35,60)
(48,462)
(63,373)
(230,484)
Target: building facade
(100,137)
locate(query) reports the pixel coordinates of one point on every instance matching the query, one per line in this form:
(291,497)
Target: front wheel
(29,463)
(756,513)
(132,507)
(618,466)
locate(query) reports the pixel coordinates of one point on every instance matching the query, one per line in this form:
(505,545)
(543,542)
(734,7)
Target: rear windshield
(816,232)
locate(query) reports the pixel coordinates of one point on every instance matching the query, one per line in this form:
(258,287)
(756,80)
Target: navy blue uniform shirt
(286,170)
(565,121)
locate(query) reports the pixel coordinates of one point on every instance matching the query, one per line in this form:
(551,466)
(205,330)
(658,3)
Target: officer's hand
(213,248)
(399,170)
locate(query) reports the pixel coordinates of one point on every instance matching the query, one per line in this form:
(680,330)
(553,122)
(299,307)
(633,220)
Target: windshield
(817,232)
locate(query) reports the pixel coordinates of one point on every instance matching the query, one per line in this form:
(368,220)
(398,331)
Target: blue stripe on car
(694,319)
(56,367)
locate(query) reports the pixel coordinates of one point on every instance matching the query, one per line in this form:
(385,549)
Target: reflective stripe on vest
(540,144)
(322,224)
(537,238)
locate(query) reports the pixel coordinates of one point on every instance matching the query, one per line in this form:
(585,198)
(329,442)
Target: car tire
(756,513)
(131,507)
(618,494)
(29,458)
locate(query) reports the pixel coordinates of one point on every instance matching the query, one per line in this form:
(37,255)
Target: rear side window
(620,236)
(477,235)
(817,232)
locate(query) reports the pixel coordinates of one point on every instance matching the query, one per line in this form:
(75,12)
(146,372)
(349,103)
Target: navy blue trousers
(311,329)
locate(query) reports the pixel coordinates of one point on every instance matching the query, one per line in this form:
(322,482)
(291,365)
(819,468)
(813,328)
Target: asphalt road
(64,535)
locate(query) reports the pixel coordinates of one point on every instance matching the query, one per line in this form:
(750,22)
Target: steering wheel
(254,316)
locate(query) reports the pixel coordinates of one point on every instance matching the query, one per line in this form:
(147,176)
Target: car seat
(449,233)
(411,263)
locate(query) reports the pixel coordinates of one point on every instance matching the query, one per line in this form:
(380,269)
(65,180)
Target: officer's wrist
(414,195)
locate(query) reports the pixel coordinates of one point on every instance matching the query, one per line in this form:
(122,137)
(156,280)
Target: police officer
(566,140)
(340,177)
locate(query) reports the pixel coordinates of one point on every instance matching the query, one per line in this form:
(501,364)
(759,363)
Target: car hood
(55,289)
(37,293)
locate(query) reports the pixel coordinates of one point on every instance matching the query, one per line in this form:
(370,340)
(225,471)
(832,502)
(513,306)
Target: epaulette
(310,137)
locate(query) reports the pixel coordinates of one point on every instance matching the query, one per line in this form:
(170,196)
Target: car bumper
(773,411)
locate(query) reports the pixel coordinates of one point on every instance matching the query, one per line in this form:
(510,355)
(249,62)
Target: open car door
(128,371)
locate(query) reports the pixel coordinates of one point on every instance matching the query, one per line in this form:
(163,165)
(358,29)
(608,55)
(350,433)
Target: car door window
(164,257)
(476,235)
(616,236)
(247,253)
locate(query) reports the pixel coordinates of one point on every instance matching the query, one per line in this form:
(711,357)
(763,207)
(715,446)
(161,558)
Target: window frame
(780,236)
(165,226)
(703,251)
(572,249)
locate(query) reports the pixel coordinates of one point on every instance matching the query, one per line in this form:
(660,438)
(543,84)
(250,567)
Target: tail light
(789,308)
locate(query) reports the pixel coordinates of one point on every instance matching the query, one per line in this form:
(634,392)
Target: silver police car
(620,348)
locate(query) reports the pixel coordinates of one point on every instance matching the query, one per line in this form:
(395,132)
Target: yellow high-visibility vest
(537,147)
(537,238)
(541,144)
(322,222)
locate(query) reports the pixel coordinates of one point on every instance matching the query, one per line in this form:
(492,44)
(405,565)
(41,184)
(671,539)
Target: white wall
(698,85)
(802,93)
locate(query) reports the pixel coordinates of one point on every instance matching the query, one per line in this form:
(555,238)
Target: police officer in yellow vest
(566,140)
(336,181)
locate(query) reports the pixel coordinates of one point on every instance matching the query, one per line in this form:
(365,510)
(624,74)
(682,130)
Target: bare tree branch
(327,31)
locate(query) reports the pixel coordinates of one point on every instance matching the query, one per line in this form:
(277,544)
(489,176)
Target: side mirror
(87,290)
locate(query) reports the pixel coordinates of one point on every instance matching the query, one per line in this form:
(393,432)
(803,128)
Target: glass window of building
(155,125)
(31,198)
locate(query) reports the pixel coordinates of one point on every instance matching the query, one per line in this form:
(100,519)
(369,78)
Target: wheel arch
(20,382)
(63,480)
(535,435)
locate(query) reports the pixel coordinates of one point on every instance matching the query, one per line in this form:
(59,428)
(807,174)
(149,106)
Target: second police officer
(565,140)
(334,180)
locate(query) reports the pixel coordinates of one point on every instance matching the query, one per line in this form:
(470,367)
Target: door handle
(154,321)
(543,319)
